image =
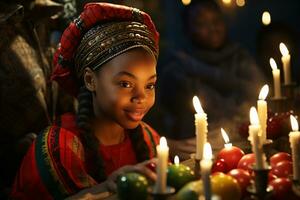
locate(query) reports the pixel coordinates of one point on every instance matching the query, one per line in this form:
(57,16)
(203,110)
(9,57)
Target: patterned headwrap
(101,32)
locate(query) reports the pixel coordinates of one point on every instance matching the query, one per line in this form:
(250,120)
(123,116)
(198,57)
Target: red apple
(246,162)
(243,177)
(231,156)
(219,166)
(282,188)
(243,129)
(274,127)
(271,177)
(281,156)
(283,169)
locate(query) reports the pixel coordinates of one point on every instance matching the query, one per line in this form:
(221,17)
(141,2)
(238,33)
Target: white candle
(201,127)
(162,164)
(254,137)
(276,78)
(205,165)
(295,146)
(226,138)
(262,110)
(286,61)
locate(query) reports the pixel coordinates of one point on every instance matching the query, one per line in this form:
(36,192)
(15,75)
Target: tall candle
(162,164)
(254,137)
(205,165)
(286,61)
(262,110)
(295,146)
(201,127)
(276,78)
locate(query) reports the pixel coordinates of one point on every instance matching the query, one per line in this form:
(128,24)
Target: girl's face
(124,88)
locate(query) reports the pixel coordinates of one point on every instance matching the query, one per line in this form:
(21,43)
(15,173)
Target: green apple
(179,175)
(132,185)
(190,191)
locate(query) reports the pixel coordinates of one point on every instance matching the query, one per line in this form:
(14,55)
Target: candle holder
(268,148)
(289,90)
(296,188)
(161,196)
(260,189)
(279,104)
(196,166)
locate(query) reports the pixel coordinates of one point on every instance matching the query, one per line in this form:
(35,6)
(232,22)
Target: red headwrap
(94,13)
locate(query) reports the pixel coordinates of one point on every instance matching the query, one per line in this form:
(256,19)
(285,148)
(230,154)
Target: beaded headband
(104,42)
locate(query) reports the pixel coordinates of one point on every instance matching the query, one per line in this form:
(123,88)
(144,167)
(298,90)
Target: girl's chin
(131,125)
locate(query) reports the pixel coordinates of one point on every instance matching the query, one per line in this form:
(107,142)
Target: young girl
(107,58)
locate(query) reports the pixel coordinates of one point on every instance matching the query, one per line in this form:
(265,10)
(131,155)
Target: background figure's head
(205,24)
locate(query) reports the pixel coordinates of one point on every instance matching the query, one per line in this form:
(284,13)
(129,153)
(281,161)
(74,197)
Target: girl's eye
(125,84)
(151,86)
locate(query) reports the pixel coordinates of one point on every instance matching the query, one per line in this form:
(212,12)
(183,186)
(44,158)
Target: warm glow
(226,1)
(253,116)
(224,135)
(263,92)
(266,18)
(283,49)
(207,152)
(163,142)
(176,160)
(294,123)
(186,2)
(240,3)
(197,105)
(273,64)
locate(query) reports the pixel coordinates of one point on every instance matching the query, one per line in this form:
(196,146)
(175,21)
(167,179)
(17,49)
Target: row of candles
(286,61)
(257,138)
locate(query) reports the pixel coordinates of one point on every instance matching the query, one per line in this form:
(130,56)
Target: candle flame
(266,18)
(240,3)
(273,64)
(163,142)
(263,92)
(176,160)
(224,135)
(186,2)
(197,105)
(207,151)
(294,123)
(226,2)
(253,116)
(283,49)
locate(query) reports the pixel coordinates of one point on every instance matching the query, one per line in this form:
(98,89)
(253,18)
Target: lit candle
(201,127)
(205,165)
(276,78)
(262,110)
(230,154)
(162,164)
(286,58)
(295,146)
(254,137)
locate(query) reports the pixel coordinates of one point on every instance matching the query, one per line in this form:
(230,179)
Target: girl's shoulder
(150,132)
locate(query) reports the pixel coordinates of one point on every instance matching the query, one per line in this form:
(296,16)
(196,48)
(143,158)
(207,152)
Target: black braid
(89,141)
(139,145)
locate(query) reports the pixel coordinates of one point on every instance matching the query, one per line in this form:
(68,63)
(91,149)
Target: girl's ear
(89,79)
